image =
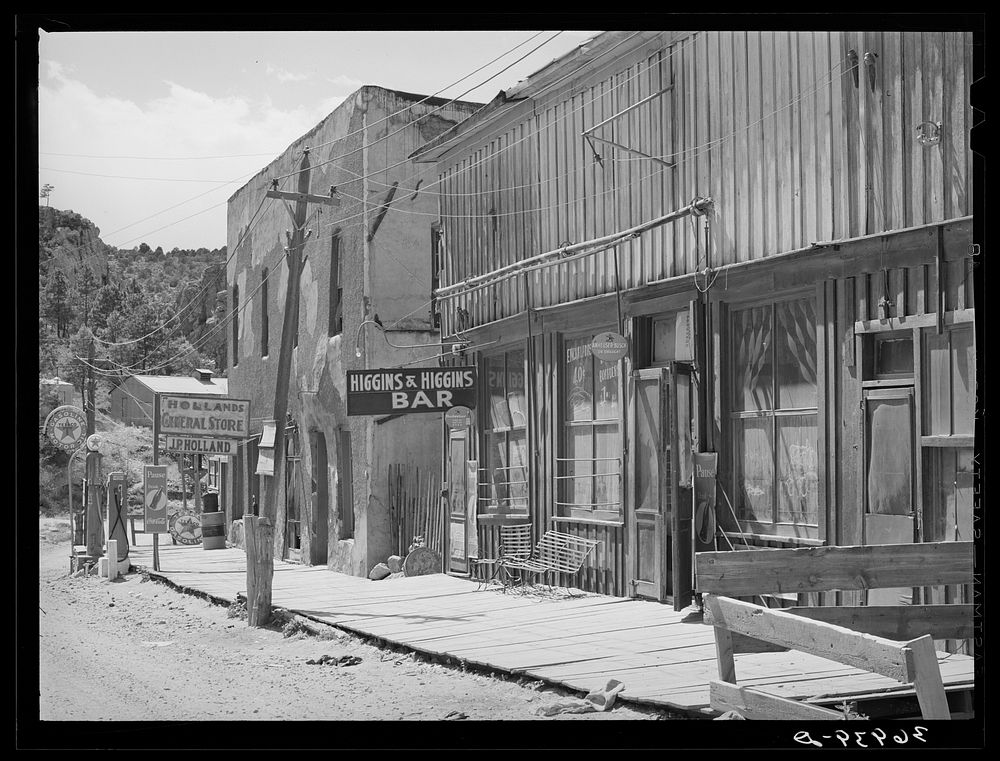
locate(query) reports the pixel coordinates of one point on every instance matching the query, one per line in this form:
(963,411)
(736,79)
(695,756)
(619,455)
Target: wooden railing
(896,641)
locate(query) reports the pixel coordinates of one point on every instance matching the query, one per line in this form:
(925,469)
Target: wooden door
(680,488)
(320,524)
(888,484)
(648,478)
(458,497)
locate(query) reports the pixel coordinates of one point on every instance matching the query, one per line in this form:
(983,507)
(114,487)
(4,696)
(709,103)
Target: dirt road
(171,656)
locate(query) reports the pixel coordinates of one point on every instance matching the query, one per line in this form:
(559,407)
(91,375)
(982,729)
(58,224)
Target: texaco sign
(66,426)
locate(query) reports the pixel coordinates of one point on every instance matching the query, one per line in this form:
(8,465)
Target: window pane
(755,469)
(607,390)
(580,464)
(893,356)
(963,380)
(754,376)
(890,457)
(494,468)
(664,340)
(579,379)
(516,401)
(798,478)
(795,353)
(518,492)
(499,414)
(607,450)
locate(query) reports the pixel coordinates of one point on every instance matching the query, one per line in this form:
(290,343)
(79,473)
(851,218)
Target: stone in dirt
(379,571)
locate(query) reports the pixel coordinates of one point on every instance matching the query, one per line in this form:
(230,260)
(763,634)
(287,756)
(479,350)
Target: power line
(429,113)
(155,158)
(177,314)
(123,177)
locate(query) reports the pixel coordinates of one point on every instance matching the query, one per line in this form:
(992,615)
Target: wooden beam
(954,317)
(258,533)
(290,195)
(818,569)
(864,651)
(926,678)
(724,654)
(899,622)
(754,704)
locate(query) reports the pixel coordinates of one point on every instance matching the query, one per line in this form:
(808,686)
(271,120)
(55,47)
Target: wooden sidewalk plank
(579,642)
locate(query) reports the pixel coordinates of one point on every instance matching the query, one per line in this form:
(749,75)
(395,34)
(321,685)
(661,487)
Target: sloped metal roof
(182,384)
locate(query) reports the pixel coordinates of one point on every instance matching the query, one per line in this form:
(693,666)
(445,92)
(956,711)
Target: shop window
(236,325)
(293,493)
(774,414)
(503,486)
(590,469)
(949,382)
(888,357)
(264,332)
(345,492)
(335,321)
(673,338)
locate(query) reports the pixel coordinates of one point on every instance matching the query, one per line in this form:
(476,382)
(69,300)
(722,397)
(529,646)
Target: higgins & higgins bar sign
(391,392)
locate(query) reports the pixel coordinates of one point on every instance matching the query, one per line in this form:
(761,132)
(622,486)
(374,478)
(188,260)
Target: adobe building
(780,224)
(365,303)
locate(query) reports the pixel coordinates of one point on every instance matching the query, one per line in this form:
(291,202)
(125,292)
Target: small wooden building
(132,400)
(780,223)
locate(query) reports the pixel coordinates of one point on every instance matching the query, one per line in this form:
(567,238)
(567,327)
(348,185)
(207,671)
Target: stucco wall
(383,223)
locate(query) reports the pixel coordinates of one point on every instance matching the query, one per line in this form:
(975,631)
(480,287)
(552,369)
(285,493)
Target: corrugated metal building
(780,223)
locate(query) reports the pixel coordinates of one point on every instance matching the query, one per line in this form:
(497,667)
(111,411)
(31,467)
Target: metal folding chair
(515,546)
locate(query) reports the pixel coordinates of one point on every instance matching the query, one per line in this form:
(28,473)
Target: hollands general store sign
(389,392)
(203,425)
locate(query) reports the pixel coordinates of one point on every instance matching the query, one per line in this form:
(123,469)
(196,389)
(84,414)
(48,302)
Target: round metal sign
(185,528)
(66,426)
(609,346)
(458,417)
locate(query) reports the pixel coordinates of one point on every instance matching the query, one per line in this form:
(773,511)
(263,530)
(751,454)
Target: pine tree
(56,303)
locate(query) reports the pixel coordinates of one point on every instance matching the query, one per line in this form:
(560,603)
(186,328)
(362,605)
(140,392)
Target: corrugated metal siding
(769,124)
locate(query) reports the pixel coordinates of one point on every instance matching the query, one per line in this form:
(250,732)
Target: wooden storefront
(780,225)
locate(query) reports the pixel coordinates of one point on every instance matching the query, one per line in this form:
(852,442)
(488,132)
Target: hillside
(113,302)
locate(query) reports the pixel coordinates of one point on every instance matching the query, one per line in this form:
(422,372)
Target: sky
(147,134)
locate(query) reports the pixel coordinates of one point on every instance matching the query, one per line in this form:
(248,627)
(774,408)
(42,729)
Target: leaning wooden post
(259,538)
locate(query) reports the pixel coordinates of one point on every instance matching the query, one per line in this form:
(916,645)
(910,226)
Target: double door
(659,546)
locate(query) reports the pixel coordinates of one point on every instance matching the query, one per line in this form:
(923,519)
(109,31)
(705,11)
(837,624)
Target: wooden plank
(724,654)
(926,679)
(899,622)
(851,648)
(754,704)
(913,150)
(813,569)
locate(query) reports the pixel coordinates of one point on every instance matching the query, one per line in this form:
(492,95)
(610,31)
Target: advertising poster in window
(579,380)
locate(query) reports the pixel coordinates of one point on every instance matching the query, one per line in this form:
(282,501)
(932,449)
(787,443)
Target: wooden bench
(556,552)
(894,641)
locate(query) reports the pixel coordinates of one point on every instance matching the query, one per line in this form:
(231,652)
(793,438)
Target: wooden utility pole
(89,403)
(260,533)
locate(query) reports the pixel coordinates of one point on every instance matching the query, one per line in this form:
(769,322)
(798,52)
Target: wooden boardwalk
(663,657)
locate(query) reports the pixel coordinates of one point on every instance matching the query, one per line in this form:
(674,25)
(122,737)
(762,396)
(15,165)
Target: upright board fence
(415,508)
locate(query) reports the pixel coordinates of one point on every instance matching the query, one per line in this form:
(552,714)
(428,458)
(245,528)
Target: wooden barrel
(213,531)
